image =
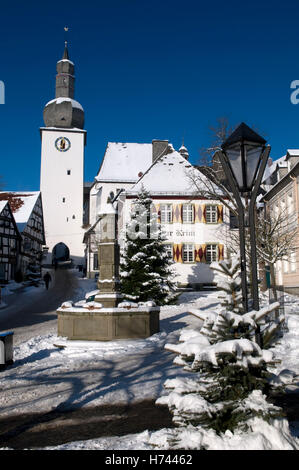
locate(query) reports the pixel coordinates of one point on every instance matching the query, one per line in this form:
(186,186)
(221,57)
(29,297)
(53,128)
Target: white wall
(56,184)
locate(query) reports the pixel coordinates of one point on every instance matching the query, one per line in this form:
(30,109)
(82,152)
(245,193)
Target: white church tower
(62,168)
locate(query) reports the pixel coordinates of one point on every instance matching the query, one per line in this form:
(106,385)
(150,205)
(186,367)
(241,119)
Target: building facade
(27,212)
(195,229)
(10,241)
(282,201)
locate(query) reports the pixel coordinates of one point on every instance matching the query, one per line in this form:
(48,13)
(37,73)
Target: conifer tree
(232,374)
(145,268)
(229,283)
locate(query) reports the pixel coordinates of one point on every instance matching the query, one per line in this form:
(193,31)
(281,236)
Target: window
(169,251)
(68,172)
(290,204)
(2,272)
(293,260)
(63,199)
(188,253)
(283,206)
(233,221)
(188,213)
(166,213)
(95,261)
(211,214)
(211,253)
(285,266)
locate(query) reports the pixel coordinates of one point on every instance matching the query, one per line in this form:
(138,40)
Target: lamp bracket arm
(258,180)
(231,181)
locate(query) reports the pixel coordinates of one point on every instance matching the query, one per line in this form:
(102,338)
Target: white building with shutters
(196,229)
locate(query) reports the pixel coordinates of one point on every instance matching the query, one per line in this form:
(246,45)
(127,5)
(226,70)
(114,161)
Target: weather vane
(66,28)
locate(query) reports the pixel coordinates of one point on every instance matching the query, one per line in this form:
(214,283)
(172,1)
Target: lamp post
(244,157)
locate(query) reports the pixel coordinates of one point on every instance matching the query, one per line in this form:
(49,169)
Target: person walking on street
(47,279)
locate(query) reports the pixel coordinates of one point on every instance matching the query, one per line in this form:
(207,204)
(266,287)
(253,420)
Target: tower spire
(64,111)
(65,78)
(66,52)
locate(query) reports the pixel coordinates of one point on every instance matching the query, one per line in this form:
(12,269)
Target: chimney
(159,148)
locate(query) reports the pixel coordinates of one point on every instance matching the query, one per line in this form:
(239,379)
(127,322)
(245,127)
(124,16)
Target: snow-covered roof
(293,152)
(66,60)
(22,204)
(123,162)
(280,162)
(168,174)
(2,205)
(75,103)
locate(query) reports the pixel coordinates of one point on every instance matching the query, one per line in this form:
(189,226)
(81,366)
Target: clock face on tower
(62,144)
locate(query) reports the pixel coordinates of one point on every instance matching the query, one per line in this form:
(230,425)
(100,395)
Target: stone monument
(108,259)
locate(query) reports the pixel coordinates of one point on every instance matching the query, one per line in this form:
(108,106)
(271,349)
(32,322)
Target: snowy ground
(44,377)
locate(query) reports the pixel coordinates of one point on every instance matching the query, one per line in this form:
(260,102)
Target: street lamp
(244,157)
(244,150)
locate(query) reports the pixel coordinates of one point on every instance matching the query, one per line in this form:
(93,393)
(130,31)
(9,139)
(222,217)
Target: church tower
(62,168)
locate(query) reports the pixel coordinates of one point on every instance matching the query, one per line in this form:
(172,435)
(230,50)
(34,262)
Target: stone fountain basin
(107,324)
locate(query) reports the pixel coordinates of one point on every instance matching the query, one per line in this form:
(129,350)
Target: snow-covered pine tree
(229,283)
(145,268)
(232,374)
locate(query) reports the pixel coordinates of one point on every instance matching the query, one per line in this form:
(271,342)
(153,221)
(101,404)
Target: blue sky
(147,70)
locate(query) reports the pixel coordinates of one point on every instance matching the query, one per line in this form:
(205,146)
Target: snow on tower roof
(65,60)
(171,173)
(59,100)
(21,203)
(124,162)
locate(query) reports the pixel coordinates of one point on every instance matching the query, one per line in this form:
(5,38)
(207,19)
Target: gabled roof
(22,204)
(292,153)
(270,169)
(4,204)
(123,162)
(170,173)
(282,182)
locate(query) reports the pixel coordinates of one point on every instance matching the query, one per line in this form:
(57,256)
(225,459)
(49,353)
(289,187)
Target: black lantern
(244,149)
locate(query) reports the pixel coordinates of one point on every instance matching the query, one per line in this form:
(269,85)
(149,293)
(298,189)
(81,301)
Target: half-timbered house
(10,240)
